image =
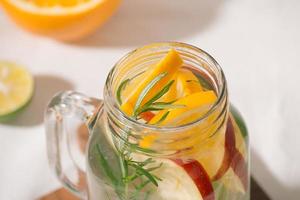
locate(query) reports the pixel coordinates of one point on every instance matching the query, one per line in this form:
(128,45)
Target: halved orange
(61,19)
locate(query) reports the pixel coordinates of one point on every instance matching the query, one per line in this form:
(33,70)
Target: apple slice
(229,150)
(147,116)
(240,168)
(236,178)
(234,166)
(169,65)
(180,180)
(176,183)
(240,144)
(199,176)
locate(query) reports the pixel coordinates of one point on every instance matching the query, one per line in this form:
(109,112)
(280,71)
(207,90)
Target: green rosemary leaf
(146,90)
(147,161)
(121,88)
(167,103)
(205,83)
(146,174)
(157,178)
(138,74)
(162,105)
(159,94)
(143,163)
(157,106)
(136,147)
(106,167)
(239,120)
(154,168)
(151,105)
(124,166)
(124,84)
(132,178)
(145,109)
(140,187)
(129,134)
(162,118)
(147,195)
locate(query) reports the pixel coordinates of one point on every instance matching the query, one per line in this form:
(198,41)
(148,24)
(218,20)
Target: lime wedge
(16,89)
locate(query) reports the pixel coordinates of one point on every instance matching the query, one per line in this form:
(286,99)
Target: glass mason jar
(204,159)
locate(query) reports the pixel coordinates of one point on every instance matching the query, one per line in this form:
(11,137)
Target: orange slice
(61,19)
(193,107)
(186,83)
(169,65)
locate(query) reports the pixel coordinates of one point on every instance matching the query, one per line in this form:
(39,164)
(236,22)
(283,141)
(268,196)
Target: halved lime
(16,89)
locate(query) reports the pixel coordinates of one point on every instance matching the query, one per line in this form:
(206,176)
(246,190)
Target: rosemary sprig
(160,106)
(123,85)
(162,118)
(152,104)
(121,88)
(107,168)
(145,91)
(205,83)
(132,169)
(138,190)
(159,94)
(138,170)
(144,172)
(140,173)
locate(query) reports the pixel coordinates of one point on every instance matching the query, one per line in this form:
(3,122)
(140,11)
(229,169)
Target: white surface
(255,41)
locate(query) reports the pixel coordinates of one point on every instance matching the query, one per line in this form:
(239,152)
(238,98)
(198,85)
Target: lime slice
(16,89)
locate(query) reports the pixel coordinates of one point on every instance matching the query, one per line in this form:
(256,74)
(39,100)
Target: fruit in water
(201,179)
(239,167)
(181,181)
(240,145)
(190,104)
(186,83)
(169,65)
(221,157)
(236,179)
(147,116)
(229,150)
(61,19)
(16,89)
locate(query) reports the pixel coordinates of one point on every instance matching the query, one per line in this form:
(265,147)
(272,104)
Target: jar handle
(65,111)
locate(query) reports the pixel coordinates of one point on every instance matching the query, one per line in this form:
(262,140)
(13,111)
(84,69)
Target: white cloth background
(255,41)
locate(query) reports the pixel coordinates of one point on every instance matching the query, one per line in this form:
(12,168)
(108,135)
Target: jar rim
(112,104)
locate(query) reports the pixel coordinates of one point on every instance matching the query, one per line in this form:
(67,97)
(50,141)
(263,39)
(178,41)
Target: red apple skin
(229,150)
(147,116)
(199,176)
(232,158)
(240,168)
